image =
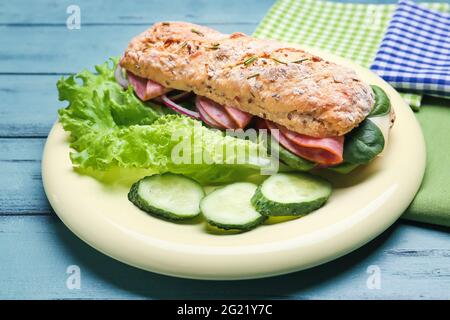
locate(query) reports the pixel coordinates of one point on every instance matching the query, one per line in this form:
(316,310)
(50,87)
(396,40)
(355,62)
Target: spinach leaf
(344,167)
(363,143)
(382,104)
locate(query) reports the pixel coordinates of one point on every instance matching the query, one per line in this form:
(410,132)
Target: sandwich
(324,114)
(162,120)
(177,76)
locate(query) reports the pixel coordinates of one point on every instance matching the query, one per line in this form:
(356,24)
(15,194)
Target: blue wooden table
(38,253)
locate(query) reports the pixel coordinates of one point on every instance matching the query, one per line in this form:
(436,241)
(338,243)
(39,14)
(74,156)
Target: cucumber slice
(291,194)
(170,196)
(230,207)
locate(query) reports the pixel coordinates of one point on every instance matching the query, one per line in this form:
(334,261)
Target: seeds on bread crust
(291,87)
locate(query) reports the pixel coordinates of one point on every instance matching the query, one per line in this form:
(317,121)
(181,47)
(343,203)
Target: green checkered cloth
(350,30)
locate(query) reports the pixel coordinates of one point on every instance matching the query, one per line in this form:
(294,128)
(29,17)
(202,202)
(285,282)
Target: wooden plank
(135,11)
(30,113)
(21,190)
(414,264)
(55,49)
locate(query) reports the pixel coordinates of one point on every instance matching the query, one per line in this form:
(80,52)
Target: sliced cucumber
(230,207)
(291,194)
(170,196)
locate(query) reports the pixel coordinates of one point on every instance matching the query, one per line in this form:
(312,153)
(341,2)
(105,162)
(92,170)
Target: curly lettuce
(111,128)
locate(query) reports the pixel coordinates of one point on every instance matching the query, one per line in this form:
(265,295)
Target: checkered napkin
(351,30)
(414,54)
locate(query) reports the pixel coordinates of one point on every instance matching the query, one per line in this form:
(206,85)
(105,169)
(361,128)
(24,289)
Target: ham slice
(146,89)
(260,123)
(224,117)
(217,113)
(204,116)
(241,118)
(324,151)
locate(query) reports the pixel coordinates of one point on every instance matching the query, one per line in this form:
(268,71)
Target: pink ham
(241,118)
(324,151)
(260,123)
(216,112)
(205,117)
(146,89)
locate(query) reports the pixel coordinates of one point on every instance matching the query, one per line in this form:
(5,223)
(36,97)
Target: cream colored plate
(362,206)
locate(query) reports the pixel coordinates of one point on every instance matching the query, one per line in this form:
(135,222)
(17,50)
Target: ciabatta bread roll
(272,80)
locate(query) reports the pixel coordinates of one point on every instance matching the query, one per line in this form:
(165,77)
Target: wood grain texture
(36,248)
(135,11)
(414,264)
(31,114)
(21,190)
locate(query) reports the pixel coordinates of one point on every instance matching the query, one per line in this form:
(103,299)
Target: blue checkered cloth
(414,54)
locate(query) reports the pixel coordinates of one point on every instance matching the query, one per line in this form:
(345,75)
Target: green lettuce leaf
(111,128)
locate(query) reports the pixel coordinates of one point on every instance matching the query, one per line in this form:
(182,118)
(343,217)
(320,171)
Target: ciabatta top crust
(269,79)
